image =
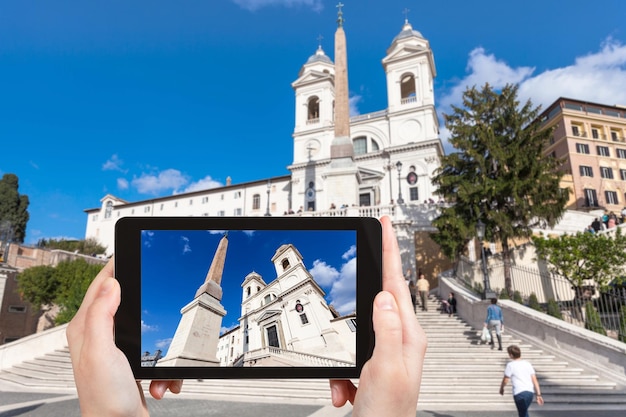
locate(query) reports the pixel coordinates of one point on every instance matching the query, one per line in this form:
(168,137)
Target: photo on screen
(248,298)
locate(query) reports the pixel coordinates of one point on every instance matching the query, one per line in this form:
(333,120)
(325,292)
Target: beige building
(591,138)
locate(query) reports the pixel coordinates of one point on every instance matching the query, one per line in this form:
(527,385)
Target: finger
(342,391)
(99,317)
(159,388)
(387,327)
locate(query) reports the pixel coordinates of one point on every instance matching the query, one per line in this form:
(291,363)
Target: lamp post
(267,210)
(399,166)
(480,233)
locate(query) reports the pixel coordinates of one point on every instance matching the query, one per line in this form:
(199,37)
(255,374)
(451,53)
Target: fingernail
(385,301)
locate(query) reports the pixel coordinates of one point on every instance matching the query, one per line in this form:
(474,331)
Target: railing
(555,295)
(313,121)
(407,100)
(368,116)
(304,358)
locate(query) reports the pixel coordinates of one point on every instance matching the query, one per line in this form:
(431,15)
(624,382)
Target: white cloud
(324,274)
(122,184)
(163,344)
(204,184)
(170,179)
(353,103)
(350,253)
(253,5)
(597,77)
(186,245)
(340,285)
(147,328)
(113,164)
(226,329)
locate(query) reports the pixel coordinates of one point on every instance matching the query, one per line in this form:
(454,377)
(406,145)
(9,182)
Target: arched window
(248,292)
(285,264)
(313,107)
(375,146)
(407,89)
(108,210)
(256,202)
(360,145)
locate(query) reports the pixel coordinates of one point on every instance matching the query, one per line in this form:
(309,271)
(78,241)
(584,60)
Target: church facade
(366,165)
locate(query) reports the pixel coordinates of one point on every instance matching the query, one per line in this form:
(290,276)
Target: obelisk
(197,335)
(341,178)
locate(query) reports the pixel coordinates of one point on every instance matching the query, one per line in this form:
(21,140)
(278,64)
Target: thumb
(100,315)
(387,326)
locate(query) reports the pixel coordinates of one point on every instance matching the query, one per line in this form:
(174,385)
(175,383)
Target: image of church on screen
(286,322)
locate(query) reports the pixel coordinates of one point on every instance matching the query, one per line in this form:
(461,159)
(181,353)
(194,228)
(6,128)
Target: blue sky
(148,98)
(176,263)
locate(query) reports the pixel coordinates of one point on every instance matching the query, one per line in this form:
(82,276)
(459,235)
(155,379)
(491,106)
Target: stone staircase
(459,373)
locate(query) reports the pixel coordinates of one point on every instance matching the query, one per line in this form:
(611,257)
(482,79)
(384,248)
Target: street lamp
(267,210)
(399,166)
(480,233)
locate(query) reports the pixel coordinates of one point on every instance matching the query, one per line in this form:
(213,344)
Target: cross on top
(406,14)
(319,40)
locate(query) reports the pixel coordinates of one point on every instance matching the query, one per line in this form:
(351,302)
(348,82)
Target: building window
(237,194)
(304,319)
(191,202)
(237,211)
(591,198)
(351,324)
(582,148)
(162,205)
(313,110)
(606,172)
(603,151)
(622,174)
(94,217)
(611,197)
(205,200)
(176,204)
(146,209)
(595,133)
(360,145)
(614,136)
(221,213)
(586,171)
(414,194)
(407,89)
(621,153)
(365,200)
(256,202)
(108,210)
(575,130)
(17,309)
(285,264)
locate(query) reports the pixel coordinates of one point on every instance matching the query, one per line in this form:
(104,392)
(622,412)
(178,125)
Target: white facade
(407,132)
(287,322)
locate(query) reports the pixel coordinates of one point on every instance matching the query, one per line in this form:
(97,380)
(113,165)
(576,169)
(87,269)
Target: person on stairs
(423,286)
(523,379)
(495,320)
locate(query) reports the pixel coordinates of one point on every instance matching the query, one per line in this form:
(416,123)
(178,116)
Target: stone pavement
(22,404)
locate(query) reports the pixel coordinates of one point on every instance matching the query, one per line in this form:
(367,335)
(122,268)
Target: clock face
(312,147)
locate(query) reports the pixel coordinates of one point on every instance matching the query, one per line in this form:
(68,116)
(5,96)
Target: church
(374,164)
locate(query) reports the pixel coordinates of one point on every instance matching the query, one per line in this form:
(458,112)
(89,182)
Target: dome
(319,56)
(407,32)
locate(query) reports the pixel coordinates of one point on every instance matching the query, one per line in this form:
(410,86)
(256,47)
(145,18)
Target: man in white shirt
(523,379)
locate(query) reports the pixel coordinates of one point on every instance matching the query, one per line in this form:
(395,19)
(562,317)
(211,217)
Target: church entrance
(272,336)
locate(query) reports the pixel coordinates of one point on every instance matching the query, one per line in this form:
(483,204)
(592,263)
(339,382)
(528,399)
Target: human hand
(390,381)
(104,380)
(540,400)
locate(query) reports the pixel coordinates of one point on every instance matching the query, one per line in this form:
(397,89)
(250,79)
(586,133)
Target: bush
(533,302)
(504,295)
(517,297)
(553,309)
(592,320)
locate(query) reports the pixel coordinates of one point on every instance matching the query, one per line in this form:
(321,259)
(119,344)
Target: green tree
(64,285)
(533,302)
(498,173)
(13,210)
(38,284)
(585,259)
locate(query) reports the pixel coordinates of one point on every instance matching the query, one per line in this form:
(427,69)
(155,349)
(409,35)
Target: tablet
(247,297)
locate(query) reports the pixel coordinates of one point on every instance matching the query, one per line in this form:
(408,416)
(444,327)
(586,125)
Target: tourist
(388,386)
(495,320)
(523,379)
(423,286)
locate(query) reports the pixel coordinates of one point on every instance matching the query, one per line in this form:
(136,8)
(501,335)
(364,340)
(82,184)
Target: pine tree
(592,319)
(533,302)
(13,210)
(498,173)
(553,309)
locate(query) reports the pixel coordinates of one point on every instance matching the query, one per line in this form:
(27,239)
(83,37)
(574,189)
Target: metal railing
(599,309)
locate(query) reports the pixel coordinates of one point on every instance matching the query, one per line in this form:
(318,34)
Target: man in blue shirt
(495,320)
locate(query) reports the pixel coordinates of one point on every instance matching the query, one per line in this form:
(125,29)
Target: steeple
(341,146)
(213,280)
